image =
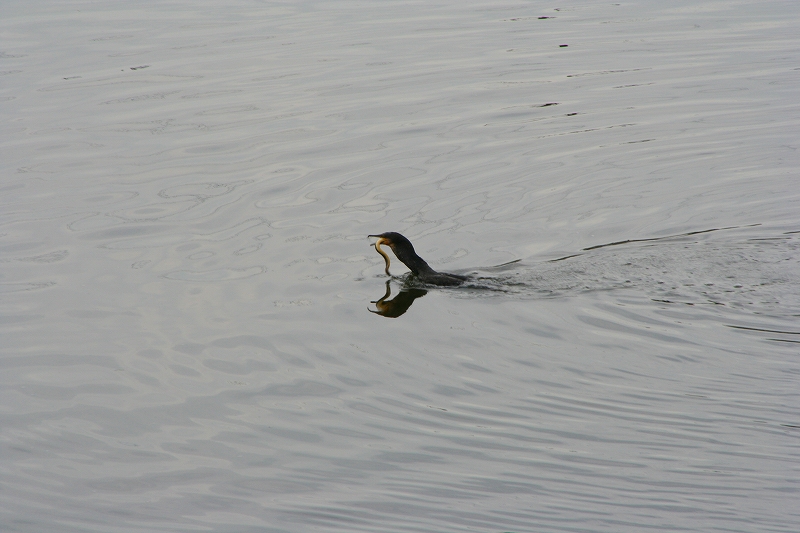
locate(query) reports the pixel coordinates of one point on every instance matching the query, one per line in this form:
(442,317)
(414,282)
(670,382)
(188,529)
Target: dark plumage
(404,251)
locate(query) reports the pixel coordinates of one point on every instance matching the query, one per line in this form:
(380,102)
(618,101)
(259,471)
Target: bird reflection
(399,304)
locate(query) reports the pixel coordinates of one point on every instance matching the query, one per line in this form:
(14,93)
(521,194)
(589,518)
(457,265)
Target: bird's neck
(415,263)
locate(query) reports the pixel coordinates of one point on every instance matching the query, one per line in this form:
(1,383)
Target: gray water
(186,281)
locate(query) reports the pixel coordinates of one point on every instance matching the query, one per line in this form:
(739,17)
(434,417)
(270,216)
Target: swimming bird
(404,251)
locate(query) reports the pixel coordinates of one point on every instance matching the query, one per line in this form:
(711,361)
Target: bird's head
(392,239)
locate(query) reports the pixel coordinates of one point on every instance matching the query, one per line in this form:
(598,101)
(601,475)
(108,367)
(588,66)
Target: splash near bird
(404,251)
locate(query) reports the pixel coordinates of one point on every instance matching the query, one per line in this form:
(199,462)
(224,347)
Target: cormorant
(404,251)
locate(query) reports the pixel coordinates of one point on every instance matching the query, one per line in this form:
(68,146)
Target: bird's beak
(381,240)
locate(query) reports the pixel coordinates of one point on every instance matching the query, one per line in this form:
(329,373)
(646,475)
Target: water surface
(186,279)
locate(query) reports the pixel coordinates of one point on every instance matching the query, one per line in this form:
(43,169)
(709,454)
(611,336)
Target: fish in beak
(382,240)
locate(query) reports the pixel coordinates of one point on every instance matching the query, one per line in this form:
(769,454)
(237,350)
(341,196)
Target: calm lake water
(196,334)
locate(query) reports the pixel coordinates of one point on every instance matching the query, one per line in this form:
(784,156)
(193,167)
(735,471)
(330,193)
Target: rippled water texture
(186,280)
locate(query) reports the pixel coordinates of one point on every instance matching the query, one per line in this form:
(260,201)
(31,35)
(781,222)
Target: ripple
(222,274)
(155,211)
(52,257)
(20,287)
